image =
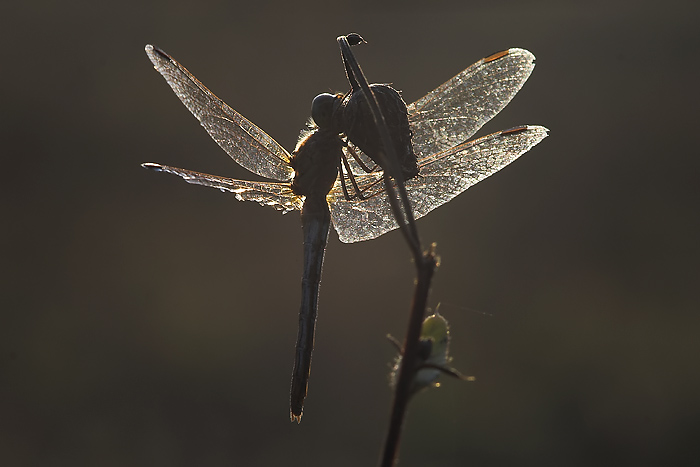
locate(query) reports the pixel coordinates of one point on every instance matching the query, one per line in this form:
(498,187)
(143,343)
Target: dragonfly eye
(322,109)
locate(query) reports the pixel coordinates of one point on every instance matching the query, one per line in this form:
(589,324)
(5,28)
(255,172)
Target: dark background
(147,322)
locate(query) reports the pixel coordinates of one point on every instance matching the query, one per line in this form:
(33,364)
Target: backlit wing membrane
(247,144)
(442,176)
(277,195)
(454,112)
(441,122)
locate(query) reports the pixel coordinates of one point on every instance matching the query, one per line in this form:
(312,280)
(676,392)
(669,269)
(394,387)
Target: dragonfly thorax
(315,162)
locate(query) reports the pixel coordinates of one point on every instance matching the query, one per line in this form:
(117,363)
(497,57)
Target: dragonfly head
(324,109)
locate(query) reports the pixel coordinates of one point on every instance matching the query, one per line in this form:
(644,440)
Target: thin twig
(403,213)
(402,393)
(425,262)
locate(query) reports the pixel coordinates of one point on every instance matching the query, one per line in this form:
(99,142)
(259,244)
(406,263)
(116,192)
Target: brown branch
(425,262)
(425,269)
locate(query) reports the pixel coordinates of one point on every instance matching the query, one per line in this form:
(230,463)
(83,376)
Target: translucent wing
(277,195)
(247,144)
(442,176)
(454,112)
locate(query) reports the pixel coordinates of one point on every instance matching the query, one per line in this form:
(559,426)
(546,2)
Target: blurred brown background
(147,322)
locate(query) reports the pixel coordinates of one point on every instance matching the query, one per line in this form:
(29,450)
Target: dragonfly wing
(247,144)
(358,220)
(454,112)
(442,176)
(277,195)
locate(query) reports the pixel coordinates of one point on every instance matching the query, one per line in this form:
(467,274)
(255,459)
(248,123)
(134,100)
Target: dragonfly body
(437,159)
(361,129)
(315,162)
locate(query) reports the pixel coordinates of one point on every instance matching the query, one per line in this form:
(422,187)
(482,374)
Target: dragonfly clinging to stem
(313,179)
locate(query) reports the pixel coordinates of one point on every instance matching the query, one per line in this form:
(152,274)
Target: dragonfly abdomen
(315,222)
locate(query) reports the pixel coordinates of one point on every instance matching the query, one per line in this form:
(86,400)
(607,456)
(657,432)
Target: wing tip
(156,54)
(540,129)
(152,166)
(522,52)
(510,52)
(523,128)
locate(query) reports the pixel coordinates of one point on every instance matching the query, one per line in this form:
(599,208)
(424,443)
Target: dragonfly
(312,179)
